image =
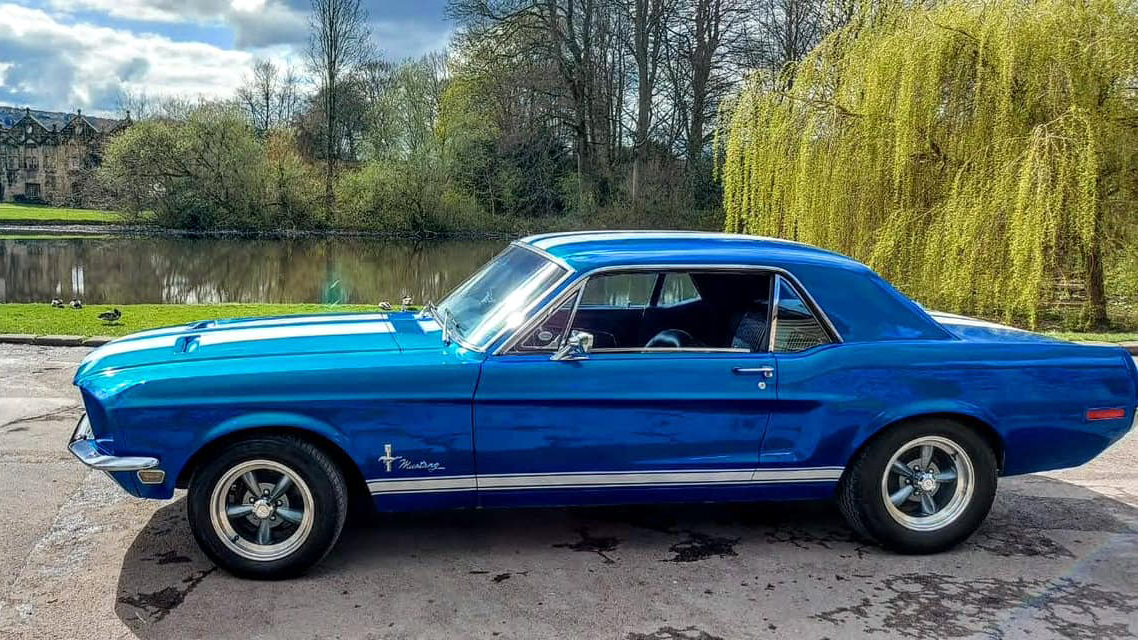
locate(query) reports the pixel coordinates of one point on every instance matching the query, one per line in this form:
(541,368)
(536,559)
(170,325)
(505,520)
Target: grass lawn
(1095,337)
(39,213)
(53,236)
(43,319)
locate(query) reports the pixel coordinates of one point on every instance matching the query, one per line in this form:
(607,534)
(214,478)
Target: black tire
(318,474)
(863,499)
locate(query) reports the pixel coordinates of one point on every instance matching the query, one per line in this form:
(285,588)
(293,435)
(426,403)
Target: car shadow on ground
(1050,535)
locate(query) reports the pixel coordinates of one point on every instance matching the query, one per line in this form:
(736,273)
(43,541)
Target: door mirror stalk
(577,347)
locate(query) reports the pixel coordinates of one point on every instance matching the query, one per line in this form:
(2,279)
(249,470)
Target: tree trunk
(330,147)
(641,36)
(1096,290)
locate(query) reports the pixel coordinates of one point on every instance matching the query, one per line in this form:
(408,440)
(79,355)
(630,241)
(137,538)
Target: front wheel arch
(358,494)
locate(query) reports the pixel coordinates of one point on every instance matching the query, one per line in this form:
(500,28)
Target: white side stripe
(415,485)
(499,482)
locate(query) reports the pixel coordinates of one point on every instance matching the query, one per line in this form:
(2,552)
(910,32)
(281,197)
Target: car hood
(975,330)
(266,336)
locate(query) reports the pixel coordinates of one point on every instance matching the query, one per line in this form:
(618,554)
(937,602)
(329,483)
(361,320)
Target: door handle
(766,372)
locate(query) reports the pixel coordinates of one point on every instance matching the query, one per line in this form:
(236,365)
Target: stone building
(46,158)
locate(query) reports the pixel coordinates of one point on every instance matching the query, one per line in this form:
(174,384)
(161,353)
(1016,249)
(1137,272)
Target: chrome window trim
(529,307)
(543,253)
(814,309)
(819,314)
(545,314)
(674,350)
(772,311)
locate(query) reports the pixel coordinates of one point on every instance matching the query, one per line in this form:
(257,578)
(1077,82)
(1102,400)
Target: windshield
(498,296)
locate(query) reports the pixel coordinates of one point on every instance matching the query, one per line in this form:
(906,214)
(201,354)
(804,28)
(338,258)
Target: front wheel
(267,507)
(920,487)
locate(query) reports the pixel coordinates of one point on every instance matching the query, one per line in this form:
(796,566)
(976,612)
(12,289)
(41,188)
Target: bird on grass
(406,302)
(75,303)
(111,316)
(385,305)
(57,303)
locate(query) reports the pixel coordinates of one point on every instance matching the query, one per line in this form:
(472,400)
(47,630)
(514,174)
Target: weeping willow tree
(977,153)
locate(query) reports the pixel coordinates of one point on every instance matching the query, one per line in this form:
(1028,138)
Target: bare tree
(782,32)
(258,95)
(576,38)
(134,104)
(339,42)
(702,65)
(289,96)
(270,96)
(649,22)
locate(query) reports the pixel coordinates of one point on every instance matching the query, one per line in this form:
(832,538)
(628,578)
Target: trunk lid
(975,330)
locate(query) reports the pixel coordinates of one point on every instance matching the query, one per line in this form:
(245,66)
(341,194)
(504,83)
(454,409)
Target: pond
(179,269)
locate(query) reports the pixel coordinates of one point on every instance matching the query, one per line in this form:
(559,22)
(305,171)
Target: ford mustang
(598,368)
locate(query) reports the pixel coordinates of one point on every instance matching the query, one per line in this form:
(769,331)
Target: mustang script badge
(388,459)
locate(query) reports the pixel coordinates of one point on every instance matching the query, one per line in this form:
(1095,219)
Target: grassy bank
(43,319)
(40,214)
(1095,337)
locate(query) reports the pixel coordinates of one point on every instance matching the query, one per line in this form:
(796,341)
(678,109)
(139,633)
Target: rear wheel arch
(358,493)
(992,437)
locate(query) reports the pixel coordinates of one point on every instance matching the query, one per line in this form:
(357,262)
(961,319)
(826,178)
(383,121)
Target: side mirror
(577,347)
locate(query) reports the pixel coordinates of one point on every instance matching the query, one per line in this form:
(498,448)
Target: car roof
(588,250)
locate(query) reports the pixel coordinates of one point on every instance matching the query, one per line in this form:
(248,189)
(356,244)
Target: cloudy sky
(67,54)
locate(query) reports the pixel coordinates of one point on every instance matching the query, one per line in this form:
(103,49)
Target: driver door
(624,423)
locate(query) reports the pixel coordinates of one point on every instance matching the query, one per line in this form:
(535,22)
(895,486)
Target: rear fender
(915,410)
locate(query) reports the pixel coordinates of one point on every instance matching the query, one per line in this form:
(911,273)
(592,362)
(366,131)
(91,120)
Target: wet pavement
(1057,558)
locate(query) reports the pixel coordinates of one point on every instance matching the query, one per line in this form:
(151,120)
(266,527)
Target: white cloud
(52,65)
(57,58)
(149,10)
(256,23)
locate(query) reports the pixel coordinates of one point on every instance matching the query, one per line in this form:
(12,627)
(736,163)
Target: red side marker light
(1105,414)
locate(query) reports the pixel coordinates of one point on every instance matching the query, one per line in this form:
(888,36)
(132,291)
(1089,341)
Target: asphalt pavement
(1057,558)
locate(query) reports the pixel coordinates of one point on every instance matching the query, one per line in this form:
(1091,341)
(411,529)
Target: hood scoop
(187,344)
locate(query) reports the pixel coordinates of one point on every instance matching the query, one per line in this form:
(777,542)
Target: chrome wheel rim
(928,483)
(262,510)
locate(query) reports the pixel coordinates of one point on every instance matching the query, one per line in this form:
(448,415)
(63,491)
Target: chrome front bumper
(84,447)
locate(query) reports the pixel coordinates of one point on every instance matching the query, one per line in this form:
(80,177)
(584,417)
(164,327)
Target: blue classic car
(599,368)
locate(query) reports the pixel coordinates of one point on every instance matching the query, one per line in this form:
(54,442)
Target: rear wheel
(920,487)
(268,507)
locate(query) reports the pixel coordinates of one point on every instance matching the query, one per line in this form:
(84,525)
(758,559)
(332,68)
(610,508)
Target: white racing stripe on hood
(115,348)
(224,336)
(317,319)
(179,328)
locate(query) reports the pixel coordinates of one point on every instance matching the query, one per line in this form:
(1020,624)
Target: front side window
(547,335)
(620,290)
(498,296)
(663,311)
(796,327)
(678,288)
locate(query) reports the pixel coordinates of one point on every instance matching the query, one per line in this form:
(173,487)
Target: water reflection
(208,270)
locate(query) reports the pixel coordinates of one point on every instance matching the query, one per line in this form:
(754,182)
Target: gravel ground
(1058,557)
